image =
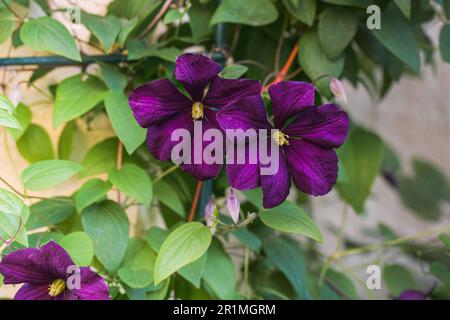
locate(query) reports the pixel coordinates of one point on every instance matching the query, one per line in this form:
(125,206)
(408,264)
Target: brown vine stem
(155,20)
(284,71)
(195,202)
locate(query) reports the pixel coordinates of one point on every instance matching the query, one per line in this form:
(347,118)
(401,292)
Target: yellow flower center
(280,137)
(197,110)
(57,287)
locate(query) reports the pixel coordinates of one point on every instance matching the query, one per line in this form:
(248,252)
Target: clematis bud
(209,212)
(233,206)
(337,88)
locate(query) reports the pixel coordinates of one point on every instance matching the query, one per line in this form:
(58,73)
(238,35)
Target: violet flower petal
(243,176)
(93,286)
(289,98)
(326,126)
(16,267)
(313,168)
(156,101)
(224,91)
(52,259)
(412,295)
(159,136)
(276,187)
(33,292)
(245,113)
(195,71)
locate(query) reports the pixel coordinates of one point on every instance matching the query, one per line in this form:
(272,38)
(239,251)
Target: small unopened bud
(209,212)
(15,95)
(233,206)
(337,88)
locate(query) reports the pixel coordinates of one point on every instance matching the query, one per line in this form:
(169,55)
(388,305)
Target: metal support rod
(61,61)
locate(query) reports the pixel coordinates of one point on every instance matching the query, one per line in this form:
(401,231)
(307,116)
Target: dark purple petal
(159,136)
(52,260)
(33,292)
(289,98)
(156,101)
(313,168)
(224,91)
(245,113)
(17,267)
(326,126)
(412,295)
(243,176)
(276,187)
(203,171)
(93,287)
(195,71)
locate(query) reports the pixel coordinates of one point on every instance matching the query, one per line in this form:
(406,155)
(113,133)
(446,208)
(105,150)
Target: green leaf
(199,19)
(192,272)
(288,217)
(404,6)
(23,115)
(114,79)
(234,71)
(47,34)
(138,50)
(49,212)
(248,238)
(353,3)
(35,144)
(90,192)
(444,43)
(127,27)
(134,182)
(250,12)
(172,16)
(303,10)
(6,24)
(75,97)
(65,142)
(49,173)
(342,282)
(361,157)
(138,266)
(105,29)
(398,279)
(220,274)
(287,256)
(445,239)
(123,121)
(425,192)
(399,39)
(100,158)
(315,62)
(337,27)
(8,120)
(165,193)
(107,225)
(132,8)
(441,271)
(446,8)
(13,216)
(184,245)
(79,246)
(6,104)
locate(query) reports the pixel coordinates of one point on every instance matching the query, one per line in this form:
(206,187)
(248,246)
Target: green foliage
(90,192)
(105,29)
(134,182)
(107,225)
(360,158)
(35,144)
(123,122)
(79,246)
(47,34)
(250,12)
(50,212)
(184,245)
(13,216)
(289,217)
(75,96)
(49,173)
(6,24)
(398,279)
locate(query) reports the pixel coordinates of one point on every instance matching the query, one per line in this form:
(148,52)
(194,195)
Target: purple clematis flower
(412,295)
(162,108)
(46,276)
(306,135)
